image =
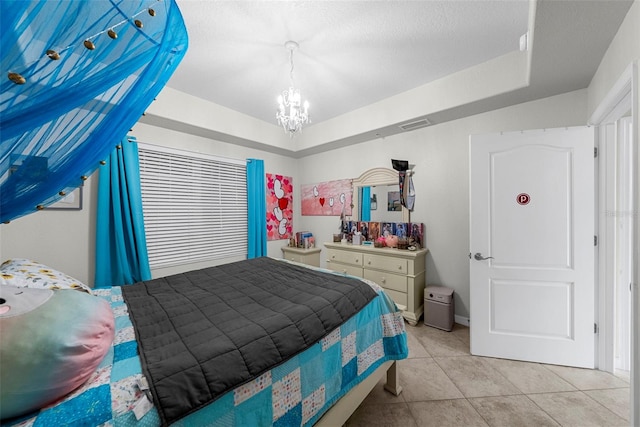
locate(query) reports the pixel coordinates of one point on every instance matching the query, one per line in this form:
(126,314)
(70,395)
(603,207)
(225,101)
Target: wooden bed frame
(339,413)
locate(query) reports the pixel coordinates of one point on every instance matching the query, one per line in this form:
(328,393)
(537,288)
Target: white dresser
(400,272)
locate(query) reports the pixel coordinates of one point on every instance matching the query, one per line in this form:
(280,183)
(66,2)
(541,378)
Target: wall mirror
(384,209)
(384,180)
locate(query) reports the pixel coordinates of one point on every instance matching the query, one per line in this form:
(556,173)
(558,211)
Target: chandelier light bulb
(290,115)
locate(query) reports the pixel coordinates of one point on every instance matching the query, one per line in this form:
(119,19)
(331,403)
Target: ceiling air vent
(414,125)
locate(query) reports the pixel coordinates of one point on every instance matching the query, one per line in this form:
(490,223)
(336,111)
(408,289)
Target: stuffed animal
(51,342)
(391,241)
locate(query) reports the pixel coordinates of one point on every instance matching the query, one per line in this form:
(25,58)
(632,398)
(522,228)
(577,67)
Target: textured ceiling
(352,53)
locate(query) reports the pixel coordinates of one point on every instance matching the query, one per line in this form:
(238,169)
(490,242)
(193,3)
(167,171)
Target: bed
(321,381)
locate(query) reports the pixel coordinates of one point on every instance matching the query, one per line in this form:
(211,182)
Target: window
(194,205)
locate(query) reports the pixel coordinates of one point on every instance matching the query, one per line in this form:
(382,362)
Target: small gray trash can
(438,307)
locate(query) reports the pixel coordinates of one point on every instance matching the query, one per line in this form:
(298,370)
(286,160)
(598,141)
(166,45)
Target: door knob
(478,256)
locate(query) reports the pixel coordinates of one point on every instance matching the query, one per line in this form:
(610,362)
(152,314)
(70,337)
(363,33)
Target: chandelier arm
(292,113)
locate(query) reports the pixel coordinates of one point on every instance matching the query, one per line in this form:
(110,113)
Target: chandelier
(292,114)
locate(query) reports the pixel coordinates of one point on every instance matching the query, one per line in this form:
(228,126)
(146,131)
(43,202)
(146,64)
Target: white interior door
(532,213)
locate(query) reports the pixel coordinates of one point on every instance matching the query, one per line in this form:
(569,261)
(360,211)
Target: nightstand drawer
(344,257)
(387,280)
(390,264)
(292,257)
(304,256)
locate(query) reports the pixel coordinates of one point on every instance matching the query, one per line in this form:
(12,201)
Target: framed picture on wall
(71,202)
(393,201)
(374,202)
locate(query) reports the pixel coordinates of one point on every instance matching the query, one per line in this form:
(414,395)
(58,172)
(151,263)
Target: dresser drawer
(400,273)
(344,257)
(345,268)
(381,262)
(387,280)
(398,297)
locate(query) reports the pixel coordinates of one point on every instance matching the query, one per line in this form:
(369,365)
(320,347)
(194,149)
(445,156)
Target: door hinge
(595,240)
(595,328)
(595,151)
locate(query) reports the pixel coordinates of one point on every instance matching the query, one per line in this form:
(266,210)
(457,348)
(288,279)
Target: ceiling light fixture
(292,114)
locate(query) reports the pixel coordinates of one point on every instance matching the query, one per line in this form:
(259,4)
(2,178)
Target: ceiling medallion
(292,113)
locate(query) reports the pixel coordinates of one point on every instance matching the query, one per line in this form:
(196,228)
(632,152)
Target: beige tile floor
(444,385)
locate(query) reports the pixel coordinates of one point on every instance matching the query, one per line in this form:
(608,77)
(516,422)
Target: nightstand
(305,256)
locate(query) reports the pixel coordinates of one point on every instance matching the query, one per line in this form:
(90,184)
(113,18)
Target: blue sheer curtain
(257,209)
(76,76)
(121,247)
(365,205)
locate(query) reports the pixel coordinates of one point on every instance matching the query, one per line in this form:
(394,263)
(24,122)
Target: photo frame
(279,193)
(393,201)
(71,202)
(374,202)
(327,198)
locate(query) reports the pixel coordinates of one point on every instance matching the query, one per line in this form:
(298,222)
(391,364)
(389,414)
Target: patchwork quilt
(296,392)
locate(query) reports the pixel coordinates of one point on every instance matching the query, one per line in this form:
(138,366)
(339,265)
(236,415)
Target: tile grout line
(522,393)
(502,375)
(474,408)
(539,407)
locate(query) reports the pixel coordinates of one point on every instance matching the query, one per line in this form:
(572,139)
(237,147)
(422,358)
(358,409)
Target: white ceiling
(354,53)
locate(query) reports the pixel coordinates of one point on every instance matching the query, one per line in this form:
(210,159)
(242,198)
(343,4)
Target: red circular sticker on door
(523,199)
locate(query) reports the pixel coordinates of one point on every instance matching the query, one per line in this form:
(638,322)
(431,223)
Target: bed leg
(393,380)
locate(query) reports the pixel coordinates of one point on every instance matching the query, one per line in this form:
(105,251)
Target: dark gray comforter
(204,332)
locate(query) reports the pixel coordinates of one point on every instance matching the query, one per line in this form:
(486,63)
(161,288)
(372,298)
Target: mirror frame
(372,178)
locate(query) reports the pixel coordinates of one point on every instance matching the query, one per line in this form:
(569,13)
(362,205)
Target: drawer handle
(384,280)
(399,267)
(333,257)
(344,271)
(357,261)
(369,262)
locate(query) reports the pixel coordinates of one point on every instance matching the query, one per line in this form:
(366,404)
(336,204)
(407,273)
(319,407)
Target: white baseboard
(461,320)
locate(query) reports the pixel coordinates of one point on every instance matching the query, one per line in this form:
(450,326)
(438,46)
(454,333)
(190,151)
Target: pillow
(51,342)
(25,273)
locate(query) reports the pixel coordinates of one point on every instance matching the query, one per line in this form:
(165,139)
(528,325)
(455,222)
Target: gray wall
(65,240)
(440,154)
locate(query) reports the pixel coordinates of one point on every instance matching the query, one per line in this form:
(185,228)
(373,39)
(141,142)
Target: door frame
(621,98)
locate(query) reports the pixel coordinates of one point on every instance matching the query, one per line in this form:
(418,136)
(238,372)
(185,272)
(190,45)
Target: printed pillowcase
(51,343)
(25,273)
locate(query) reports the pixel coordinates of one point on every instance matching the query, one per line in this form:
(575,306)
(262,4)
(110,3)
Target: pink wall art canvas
(327,198)
(279,207)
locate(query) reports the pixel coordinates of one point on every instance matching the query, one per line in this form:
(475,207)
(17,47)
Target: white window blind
(194,206)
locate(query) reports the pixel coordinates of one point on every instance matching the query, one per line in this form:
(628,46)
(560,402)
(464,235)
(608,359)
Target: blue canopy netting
(76,76)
